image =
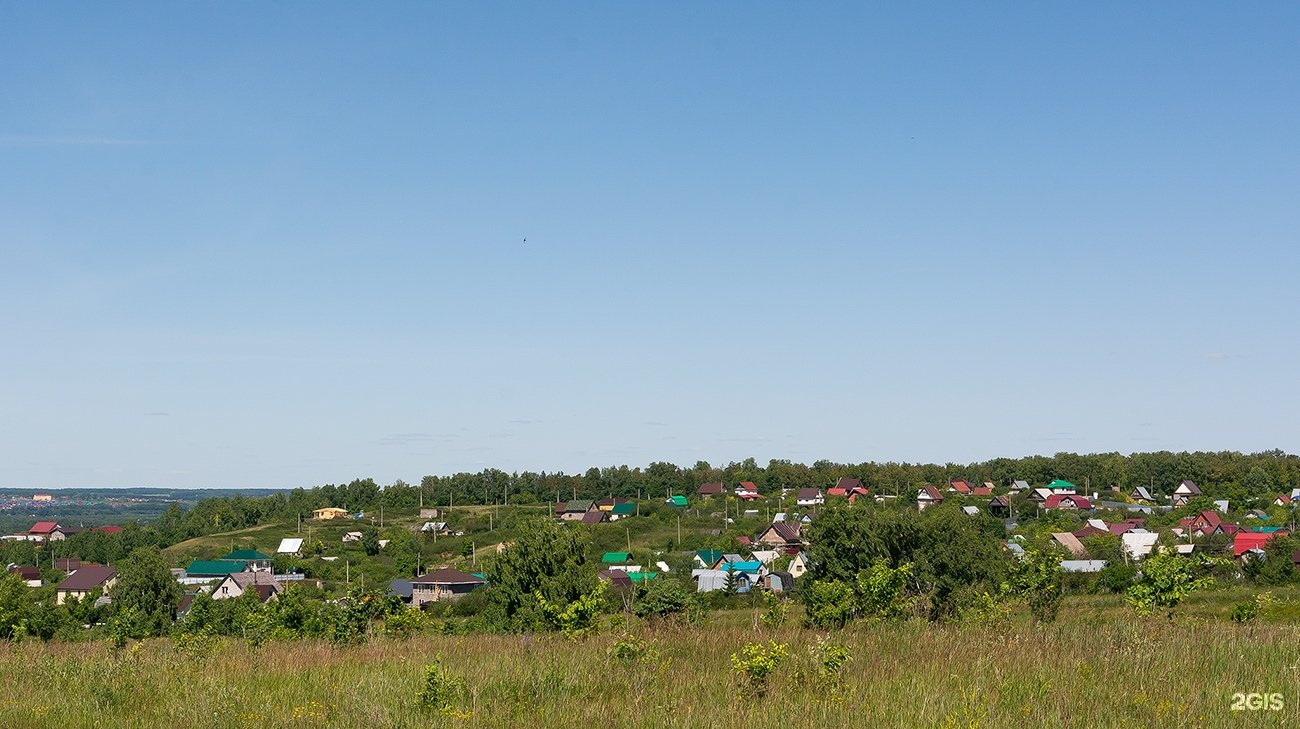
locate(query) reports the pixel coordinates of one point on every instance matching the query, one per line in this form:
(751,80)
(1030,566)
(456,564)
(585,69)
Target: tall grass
(1085,671)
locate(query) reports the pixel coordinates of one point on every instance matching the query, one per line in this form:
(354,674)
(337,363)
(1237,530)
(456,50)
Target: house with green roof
(616,558)
(677,500)
(213,568)
(642,576)
(706,558)
(618,511)
(256,561)
(1061,485)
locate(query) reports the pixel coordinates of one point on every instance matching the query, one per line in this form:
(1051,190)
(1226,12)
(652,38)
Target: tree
(1037,578)
(1166,580)
(15,606)
(146,590)
(547,558)
(370,540)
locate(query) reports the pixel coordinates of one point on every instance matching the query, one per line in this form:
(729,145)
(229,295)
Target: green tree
(1037,578)
(15,606)
(1167,579)
(146,590)
(547,558)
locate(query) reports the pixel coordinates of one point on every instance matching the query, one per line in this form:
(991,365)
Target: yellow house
(329,512)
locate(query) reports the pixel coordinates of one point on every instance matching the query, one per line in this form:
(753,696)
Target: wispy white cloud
(1223,355)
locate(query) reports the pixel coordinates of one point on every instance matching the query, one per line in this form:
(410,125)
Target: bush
(756,663)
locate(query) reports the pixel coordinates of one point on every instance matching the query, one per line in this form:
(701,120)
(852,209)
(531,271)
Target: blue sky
(281,244)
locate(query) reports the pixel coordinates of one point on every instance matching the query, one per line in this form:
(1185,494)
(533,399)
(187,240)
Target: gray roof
(87,577)
(1082,565)
(400,588)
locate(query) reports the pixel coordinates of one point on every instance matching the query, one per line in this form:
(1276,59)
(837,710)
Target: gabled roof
(26,573)
(709,557)
(982,491)
(1061,485)
(624,508)
(848,482)
(447,576)
(574,506)
(1056,501)
(43,527)
(710,489)
(1188,488)
(108,529)
(1140,492)
(677,500)
(594,517)
(809,493)
(617,578)
(1245,541)
(747,486)
(400,588)
(87,577)
(1019,484)
(1070,542)
(960,485)
(930,491)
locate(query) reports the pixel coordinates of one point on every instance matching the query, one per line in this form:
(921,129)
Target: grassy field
(1097,667)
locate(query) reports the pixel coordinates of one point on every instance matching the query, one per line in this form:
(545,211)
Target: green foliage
(147,592)
(439,690)
(576,618)
(547,558)
(370,540)
(404,623)
(879,593)
(15,606)
(1245,612)
(1166,580)
(630,649)
(663,598)
(1115,578)
(1036,577)
(756,663)
(828,604)
(947,549)
(775,610)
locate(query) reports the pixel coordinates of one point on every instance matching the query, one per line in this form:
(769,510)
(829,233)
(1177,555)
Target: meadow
(1098,666)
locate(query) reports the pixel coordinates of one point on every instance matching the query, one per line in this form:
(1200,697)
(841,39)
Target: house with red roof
(961,486)
(782,534)
(747,490)
(1244,542)
(43,529)
(928,496)
(1066,501)
(711,489)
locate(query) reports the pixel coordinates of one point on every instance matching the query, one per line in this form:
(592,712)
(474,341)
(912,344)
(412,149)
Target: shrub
(757,662)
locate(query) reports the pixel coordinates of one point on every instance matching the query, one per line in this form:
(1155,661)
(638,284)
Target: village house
(1184,492)
(747,491)
(711,489)
(253,560)
(235,585)
(573,509)
(928,496)
(85,580)
(445,584)
(809,497)
(960,486)
(782,534)
(29,575)
(1000,507)
(329,512)
(1066,501)
(1140,495)
(850,488)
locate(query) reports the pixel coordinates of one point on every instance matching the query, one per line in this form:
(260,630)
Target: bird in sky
(525,240)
